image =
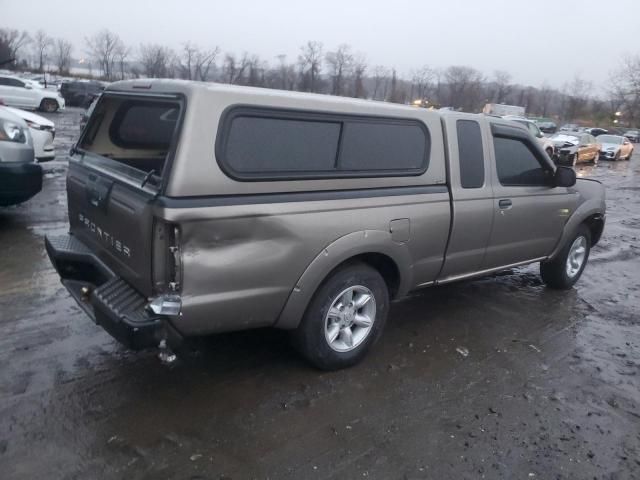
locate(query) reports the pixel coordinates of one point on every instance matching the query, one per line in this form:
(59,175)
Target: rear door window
(470,152)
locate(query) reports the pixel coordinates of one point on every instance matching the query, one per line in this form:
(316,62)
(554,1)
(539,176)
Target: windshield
(610,139)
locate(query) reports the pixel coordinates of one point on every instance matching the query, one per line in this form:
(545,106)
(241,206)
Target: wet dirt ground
(494,378)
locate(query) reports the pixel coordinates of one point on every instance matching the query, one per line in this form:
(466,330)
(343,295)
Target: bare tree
(103,47)
(503,87)
(421,83)
(283,76)
(42,43)
(195,63)
(282,71)
(380,80)
(121,54)
(204,60)
(156,60)
(234,70)
(187,60)
(359,68)
(577,98)
(546,95)
(465,86)
(340,64)
(624,92)
(12,41)
(256,68)
(397,94)
(62,55)
(310,61)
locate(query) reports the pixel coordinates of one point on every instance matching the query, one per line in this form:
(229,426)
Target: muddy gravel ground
(494,378)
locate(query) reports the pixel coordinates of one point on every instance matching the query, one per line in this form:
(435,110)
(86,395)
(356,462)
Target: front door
(529,214)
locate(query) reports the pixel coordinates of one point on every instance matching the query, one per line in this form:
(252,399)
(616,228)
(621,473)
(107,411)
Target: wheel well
(385,266)
(596,226)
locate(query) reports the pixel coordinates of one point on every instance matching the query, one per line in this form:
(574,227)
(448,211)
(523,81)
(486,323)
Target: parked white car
(42,131)
(21,93)
(20,177)
(544,142)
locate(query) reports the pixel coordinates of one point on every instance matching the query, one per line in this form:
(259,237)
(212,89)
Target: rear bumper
(19,182)
(110,301)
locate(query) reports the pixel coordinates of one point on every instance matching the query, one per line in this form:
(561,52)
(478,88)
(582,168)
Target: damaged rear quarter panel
(241,262)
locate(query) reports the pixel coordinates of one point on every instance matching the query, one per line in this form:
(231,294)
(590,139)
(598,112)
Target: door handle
(505,203)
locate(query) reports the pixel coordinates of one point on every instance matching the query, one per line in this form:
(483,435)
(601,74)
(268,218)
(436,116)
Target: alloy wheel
(350,318)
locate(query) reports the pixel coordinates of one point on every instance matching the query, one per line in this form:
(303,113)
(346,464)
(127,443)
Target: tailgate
(115,171)
(114,220)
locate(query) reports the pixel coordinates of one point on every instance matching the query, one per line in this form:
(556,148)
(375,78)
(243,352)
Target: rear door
(114,176)
(472,196)
(529,214)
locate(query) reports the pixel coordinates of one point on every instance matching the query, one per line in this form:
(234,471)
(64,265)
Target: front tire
(48,105)
(564,271)
(344,318)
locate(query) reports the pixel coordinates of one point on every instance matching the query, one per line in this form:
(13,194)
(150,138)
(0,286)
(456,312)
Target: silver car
(615,147)
(20,177)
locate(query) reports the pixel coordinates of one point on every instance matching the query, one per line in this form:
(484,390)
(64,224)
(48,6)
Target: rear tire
(333,333)
(48,105)
(564,271)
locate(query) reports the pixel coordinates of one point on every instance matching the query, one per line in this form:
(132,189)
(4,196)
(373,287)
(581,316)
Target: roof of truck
(189,87)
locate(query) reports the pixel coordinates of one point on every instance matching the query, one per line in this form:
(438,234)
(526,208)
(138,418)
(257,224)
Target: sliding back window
(135,132)
(264,144)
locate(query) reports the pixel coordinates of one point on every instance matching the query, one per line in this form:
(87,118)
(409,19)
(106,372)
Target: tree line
(337,71)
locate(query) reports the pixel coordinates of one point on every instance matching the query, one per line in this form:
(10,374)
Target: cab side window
(11,82)
(516,164)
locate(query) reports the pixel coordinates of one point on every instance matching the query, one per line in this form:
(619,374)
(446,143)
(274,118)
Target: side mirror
(564,177)
(27,86)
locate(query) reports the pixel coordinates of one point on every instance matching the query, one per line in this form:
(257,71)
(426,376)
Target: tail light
(167,269)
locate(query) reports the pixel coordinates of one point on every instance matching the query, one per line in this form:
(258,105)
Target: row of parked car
(579,147)
(574,144)
(26,138)
(51,97)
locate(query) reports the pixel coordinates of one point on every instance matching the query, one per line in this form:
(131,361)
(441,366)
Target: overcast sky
(534,40)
